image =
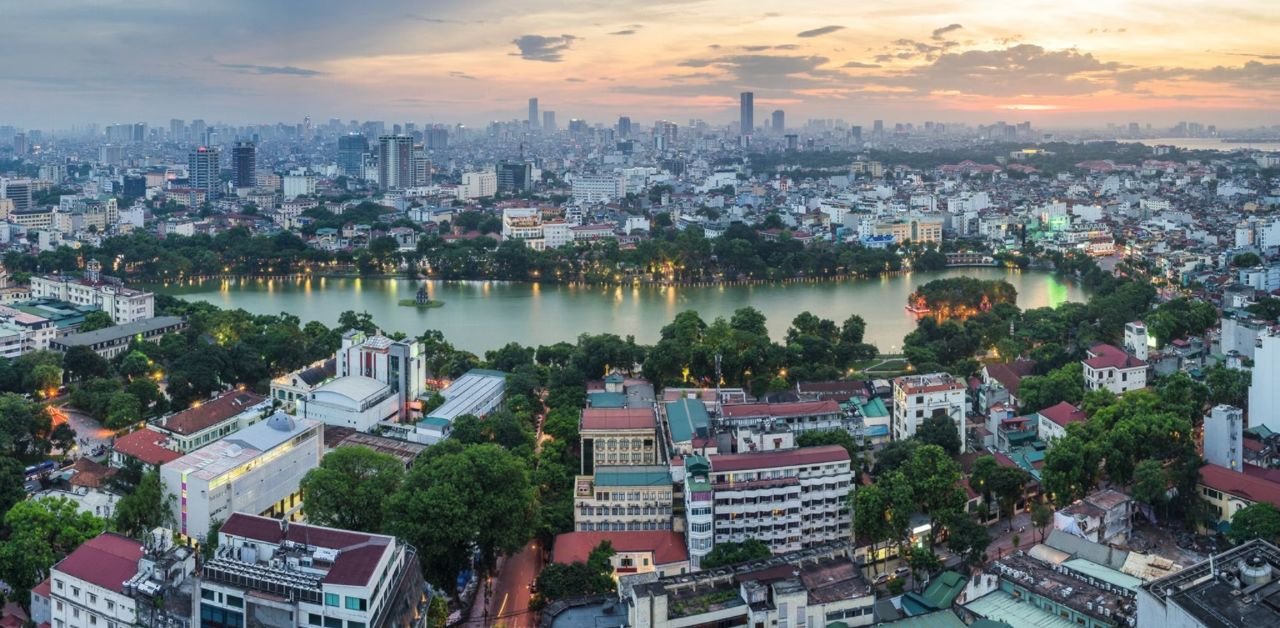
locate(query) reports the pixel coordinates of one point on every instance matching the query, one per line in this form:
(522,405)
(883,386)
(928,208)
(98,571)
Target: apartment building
(787,499)
(255,470)
(598,188)
(918,397)
(276,573)
(797,416)
(112,581)
(1107,367)
(113,341)
(208,421)
(21,332)
(631,498)
(123,305)
(618,436)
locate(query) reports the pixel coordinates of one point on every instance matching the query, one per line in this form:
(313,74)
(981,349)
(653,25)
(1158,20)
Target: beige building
(916,229)
(618,436)
(623,498)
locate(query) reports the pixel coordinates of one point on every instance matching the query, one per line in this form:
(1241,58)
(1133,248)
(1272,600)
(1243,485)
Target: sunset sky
(1063,62)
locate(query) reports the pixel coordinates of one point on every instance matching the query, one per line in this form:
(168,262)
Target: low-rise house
(661,552)
(1110,368)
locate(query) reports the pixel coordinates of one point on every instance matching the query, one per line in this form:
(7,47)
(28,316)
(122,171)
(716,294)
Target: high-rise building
(578,126)
(195,132)
(436,138)
(549,121)
(421,166)
(1264,395)
(747,113)
(177,130)
(855,133)
(533,113)
(20,144)
(515,177)
(877,128)
(351,150)
(18,191)
(202,169)
(779,121)
(624,127)
(244,165)
(395,161)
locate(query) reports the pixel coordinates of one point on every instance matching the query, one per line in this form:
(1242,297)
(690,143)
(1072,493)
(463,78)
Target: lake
(1208,143)
(480,315)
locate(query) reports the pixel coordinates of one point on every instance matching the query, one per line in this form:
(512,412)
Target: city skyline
(1055,64)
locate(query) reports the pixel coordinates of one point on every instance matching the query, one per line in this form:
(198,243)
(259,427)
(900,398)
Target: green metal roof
(874,408)
(1105,574)
(936,619)
(647,475)
(687,417)
(944,589)
(435,422)
(607,400)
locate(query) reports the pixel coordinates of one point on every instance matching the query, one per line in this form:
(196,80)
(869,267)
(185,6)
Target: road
(89,432)
(508,604)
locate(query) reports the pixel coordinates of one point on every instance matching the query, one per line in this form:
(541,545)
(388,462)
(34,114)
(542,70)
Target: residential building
(204,171)
(208,421)
(1137,342)
(662,552)
(298,183)
(795,416)
(1228,491)
(1224,437)
(478,185)
(688,425)
(399,364)
(1233,589)
(746,113)
(244,165)
(477,393)
(1032,592)
(22,332)
(1110,368)
(1102,517)
(788,499)
(637,497)
(290,387)
(1053,421)
(1264,395)
(598,188)
(917,397)
(618,436)
(255,470)
(395,162)
(276,573)
(819,586)
(112,580)
(146,447)
(123,305)
(113,341)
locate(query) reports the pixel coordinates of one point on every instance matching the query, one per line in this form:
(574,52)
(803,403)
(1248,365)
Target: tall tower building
(202,169)
(351,150)
(533,113)
(624,127)
(549,121)
(779,121)
(177,130)
(244,165)
(395,161)
(877,128)
(747,113)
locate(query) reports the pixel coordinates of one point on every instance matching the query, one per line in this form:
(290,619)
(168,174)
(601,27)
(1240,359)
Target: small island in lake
(421,300)
(959,298)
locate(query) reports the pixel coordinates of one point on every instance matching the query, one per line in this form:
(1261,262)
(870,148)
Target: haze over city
(1057,64)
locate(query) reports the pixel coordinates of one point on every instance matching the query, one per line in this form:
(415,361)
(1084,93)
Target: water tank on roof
(1255,570)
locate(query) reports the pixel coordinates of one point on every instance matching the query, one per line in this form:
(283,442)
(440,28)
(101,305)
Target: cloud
(625,31)
(462,75)
(860,65)
(575,80)
(284,70)
(549,49)
(818,32)
(1255,56)
(938,33)
(1018,70)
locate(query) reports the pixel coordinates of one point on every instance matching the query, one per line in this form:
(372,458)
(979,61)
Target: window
(75,591)
(93,620)
(357,604)
(355,624)
(332,622)
(207,594)
(235,601)
(315,620)
(111,606)
(331,599)
(57,584)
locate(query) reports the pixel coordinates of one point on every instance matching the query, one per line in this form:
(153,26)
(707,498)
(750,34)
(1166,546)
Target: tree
(81,363)
(349,488)
(1008,485)
(144,509)
(44,378)
(12,483)
(939,429)
(123,410)
(816,438)
(1246,260)
(1150,484)
(935,483)
(478,497)
(577,579)
(1041,517)
(136,364)
(922,560)
(894,455)
(1229,386)
(733,553)
(96,320)
(42,532)
(501,427)
(1038,392)
(871,516)
(1259,520)
(968,539)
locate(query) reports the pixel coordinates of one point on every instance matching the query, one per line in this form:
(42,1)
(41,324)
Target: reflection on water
(484,315)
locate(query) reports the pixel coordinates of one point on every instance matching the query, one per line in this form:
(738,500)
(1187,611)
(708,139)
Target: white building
(1136,340)
(274,573)
(1110,368)
(478,392)
(297,184)
(112,580)
(1223,437)
(918,397)
(353,401)
(202,424)
(399,364)
(21,332)
(256,470)
(598,188)
(478,184)
(124,305)
(524,223)
(1264,393)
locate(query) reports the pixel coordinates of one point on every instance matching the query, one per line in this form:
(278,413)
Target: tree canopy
(350,488)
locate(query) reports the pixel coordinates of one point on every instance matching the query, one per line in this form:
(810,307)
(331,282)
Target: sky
(1057,63)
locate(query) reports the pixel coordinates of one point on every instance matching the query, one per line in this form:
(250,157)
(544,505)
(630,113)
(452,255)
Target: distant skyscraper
(435,138)
(20,146)
(549,121)
(202,170)
(747,113)
(533,113)
(196,132)
(877,128)
(855,133)
(177,130)
(515,177)
(624,127)
(351,150)
(395,161)
(244,165)
(793,141)
(779,121)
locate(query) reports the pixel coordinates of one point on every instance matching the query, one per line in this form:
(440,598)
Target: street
(89,433)
(508,604)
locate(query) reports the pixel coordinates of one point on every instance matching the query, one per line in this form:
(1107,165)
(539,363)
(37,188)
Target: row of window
(618,526)
(350,603)
(314,619)
(612,444)
(632,496)
(775,474)
(618,511)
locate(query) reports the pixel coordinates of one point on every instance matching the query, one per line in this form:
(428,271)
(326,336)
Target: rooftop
(928,383)
(210,413)
(1102,356)
(780,410)
(1063,414)
(778,458)
(1240,484)
(469,392)
(618,419)
(147,446)
(1244,593)
(687,418)
(352,564)
(668,547)
(356,387)
(120,332)
(107,560)
(642,475)
(222,456)
(335,437)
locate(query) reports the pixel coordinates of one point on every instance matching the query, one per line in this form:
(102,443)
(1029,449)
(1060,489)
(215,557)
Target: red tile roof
(668,547)
(779,458)
(357,559)
(43,589)
(145,445)
(1064,414)
(1240,484)
(619,419)
(90,474)
(1102,356)
(211,413)
(1010,375)
(107,560)
(791,409)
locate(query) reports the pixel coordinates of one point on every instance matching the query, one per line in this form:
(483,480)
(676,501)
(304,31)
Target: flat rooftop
(469,392)
(219,457)
(1228,600)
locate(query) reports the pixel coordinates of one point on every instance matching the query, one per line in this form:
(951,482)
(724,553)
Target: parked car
(901,572)
(882,579)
